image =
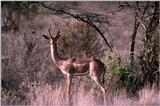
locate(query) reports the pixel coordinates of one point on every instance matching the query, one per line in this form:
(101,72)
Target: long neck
(54,53)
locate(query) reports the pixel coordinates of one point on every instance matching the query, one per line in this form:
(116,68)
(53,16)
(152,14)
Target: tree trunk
(149,56)
(136,26)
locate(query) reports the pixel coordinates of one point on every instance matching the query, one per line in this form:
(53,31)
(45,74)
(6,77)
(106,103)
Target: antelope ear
(46,37)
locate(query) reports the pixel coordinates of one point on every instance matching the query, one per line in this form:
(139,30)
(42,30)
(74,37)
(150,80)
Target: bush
(125,76)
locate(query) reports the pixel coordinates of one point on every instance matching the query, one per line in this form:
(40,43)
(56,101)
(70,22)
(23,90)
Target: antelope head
(51,38)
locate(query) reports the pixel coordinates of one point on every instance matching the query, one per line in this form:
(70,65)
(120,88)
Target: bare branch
(89,18)
(142,24)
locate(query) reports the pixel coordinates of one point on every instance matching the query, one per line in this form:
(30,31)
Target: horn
(46,37)
(58,35)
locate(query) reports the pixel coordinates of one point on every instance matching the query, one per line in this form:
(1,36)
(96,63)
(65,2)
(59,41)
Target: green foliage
(124,74)
(116,67)
(127,77)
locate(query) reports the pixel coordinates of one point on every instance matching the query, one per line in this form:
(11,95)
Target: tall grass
(46,95)
(41,94)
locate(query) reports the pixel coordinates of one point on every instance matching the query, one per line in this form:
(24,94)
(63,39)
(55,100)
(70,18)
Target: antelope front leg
(69,81)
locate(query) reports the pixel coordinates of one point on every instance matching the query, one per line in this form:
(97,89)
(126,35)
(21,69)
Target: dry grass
(48,95)
(146,98)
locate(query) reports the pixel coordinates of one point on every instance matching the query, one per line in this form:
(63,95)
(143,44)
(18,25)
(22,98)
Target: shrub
(124,76)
